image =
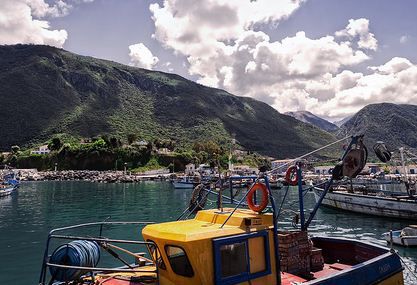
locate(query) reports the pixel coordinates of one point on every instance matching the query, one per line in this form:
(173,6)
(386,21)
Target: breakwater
(94,176)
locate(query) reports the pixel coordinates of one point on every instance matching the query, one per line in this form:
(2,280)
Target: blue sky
(331,57)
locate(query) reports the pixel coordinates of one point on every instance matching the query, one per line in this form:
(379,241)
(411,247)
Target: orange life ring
(265,195)
(291,176)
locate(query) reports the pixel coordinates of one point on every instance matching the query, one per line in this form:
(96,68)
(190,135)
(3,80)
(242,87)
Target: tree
(55,144)
(157,143)
(131,138)
(115,142)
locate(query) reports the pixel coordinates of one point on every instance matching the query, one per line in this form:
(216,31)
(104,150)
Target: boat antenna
(403,163)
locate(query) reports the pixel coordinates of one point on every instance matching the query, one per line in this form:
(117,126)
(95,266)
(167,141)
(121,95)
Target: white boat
(7,190)
(185,182)
(404,207)
(404,237)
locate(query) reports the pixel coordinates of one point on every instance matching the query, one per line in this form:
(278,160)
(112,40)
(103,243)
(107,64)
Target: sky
(330,57)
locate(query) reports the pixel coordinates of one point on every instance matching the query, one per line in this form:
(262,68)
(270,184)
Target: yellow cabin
(239,250)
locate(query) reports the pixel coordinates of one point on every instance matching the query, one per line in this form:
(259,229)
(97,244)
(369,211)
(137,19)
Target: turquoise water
(28,216)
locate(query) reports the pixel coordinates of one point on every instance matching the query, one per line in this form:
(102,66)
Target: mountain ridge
(395,124)
(310,118)
(49,91)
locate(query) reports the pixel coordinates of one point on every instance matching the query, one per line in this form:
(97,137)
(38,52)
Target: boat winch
(81,253)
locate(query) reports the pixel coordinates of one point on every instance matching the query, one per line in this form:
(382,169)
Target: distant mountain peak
(342,121)
(310,118)
(395,124)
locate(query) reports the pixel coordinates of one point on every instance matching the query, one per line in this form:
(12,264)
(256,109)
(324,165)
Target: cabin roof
(206,225)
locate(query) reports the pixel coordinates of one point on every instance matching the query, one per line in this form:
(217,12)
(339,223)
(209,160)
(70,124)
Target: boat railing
(58,234)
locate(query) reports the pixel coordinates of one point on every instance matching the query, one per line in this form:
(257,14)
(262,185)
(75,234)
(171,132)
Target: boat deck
(328,270)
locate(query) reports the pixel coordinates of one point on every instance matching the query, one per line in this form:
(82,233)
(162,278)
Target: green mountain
(396,125)
(48,91)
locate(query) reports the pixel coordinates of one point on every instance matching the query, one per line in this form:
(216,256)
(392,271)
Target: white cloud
(20,22)
(141,56)
(395,81)
(404,39)
(225,48)
(25,21)
(359,28)
(42,9)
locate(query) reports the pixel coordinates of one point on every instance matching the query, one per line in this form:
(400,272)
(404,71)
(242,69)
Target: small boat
(185,182)
(404,237)
(6,190)
(8,185)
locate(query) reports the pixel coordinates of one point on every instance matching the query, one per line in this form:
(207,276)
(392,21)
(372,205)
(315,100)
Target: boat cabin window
(179,261)
(233,259)
(241,258)
(156,255)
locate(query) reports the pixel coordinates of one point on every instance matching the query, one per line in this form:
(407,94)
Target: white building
(190,169)
(410,169)
(43,149)
(244,170)
(323,169)
(142,143)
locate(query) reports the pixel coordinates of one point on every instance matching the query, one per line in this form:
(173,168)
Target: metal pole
(403,162)
(231,190)
(327,185)
(316,207)
(300,195)
(275,232)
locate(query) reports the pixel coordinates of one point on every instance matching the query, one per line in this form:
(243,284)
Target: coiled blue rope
(76,253)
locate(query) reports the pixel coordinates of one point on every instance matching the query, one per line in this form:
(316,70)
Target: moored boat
(404,207)
(8,185)
(184,182)
(201,251)
(6,190)
(404,237)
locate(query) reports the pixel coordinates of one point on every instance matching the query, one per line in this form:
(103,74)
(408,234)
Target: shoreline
(94,176)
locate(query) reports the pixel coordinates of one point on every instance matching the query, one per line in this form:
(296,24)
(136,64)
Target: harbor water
(27,216)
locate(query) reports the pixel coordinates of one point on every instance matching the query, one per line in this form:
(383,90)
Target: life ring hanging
(265,195)
(291,176)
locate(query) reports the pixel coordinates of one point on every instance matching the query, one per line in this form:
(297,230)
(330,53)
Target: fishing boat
(223,246)
(363,198)
(370,203)
(404,237)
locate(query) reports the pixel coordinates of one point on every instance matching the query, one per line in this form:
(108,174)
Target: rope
(304,155)
(405,264)
(82,253)
(282,202)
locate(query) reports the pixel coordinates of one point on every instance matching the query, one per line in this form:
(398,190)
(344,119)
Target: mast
(403,163)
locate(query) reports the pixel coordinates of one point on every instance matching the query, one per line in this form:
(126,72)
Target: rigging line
(307,154)
(282,202)
(351,128)
(405,264)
